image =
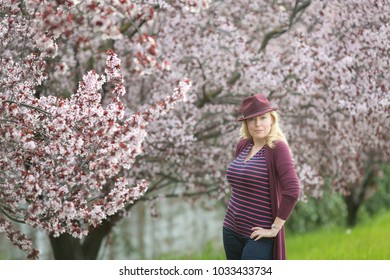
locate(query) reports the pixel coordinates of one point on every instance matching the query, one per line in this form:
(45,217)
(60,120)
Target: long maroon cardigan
(284,185)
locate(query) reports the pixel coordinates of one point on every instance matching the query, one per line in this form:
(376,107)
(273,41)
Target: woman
(265,186)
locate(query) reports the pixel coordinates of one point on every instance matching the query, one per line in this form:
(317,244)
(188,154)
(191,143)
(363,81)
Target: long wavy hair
(274,134)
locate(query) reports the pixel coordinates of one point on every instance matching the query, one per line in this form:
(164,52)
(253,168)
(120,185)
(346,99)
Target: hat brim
(257,114)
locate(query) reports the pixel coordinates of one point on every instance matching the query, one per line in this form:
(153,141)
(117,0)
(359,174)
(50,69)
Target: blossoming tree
(339,75)
(63,158)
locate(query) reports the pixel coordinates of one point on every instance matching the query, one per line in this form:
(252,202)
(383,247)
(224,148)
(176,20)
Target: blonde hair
(274,134)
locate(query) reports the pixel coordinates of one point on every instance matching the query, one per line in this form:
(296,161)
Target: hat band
(257,112)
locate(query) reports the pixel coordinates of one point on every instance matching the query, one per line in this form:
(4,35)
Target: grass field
(367,241)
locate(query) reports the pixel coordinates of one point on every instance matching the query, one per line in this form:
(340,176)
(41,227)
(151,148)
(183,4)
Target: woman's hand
(259,232)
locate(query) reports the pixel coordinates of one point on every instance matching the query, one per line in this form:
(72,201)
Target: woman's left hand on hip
(259,232)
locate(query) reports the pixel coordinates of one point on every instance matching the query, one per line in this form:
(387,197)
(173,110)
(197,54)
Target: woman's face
(259,126)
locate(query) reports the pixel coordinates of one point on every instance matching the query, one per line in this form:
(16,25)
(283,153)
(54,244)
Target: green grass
(367,241)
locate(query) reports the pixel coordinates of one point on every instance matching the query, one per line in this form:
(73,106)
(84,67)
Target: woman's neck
(258,143)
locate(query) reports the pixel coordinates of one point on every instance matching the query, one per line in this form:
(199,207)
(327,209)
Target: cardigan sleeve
(288,180)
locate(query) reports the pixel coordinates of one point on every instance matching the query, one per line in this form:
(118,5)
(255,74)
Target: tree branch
(297,12)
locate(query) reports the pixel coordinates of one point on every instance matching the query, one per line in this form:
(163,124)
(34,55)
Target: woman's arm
(288,180)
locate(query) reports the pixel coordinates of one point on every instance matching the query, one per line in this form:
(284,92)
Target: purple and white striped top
(250,201)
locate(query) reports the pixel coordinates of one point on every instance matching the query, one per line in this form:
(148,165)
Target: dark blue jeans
(238,247)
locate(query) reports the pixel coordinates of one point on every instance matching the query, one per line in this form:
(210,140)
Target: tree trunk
(66,247)
(353,206)
(357,198)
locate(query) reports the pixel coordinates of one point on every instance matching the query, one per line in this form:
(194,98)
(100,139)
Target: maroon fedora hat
(255,105)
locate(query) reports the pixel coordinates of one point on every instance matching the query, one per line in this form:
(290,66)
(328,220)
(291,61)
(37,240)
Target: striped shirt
(250,201)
